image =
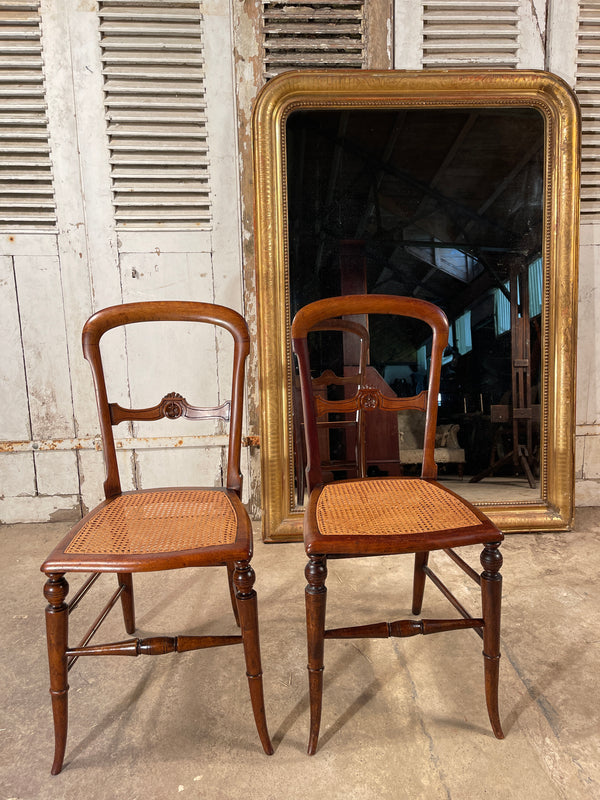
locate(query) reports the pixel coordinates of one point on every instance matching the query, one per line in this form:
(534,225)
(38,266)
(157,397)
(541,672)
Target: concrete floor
(402,718)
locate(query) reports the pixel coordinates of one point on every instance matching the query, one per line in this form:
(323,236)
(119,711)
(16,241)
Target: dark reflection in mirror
(445,205)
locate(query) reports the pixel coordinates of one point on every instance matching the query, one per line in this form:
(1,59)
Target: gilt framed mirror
(460,187)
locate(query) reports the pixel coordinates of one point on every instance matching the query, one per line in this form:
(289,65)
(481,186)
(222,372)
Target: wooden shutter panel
(318,33)
(152,54)
(462,33)
(26,193)
(588,90)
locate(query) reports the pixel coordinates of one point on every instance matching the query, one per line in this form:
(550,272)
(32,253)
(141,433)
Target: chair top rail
(163,311)
(313,314)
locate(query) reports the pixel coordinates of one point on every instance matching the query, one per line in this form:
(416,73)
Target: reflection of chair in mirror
(156,529)
(336,454)
(394,515)
(411,433)
(522,413)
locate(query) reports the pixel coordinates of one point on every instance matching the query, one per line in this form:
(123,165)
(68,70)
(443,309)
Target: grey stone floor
(402,718)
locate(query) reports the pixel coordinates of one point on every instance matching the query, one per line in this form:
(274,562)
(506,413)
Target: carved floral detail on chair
(369,398)
(173,405)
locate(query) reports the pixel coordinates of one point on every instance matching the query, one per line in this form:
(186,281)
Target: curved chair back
(367,398)
(172,405)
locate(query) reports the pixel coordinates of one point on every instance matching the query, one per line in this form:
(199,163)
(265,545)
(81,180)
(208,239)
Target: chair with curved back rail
(393,515)
(156,529)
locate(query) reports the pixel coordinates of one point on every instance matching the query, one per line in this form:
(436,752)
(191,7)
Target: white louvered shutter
(588,90)
(314,34)
(463,33)
(26,194)
(152,54)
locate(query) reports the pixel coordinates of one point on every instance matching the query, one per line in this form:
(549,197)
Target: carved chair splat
(393,515)
(156,529)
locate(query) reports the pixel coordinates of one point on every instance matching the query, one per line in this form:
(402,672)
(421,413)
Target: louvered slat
(153,69)
(461,33)
(26,193)
(317,33)
(588,90)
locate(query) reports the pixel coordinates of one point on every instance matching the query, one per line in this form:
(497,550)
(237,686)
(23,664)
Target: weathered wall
(51,281)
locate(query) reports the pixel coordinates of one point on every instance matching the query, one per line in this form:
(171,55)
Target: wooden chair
(385,516)
(156,529)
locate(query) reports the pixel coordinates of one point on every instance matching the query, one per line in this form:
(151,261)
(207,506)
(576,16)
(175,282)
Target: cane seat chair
(393,515)
(156,529)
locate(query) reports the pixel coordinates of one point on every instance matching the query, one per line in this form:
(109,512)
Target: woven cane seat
(390,507)
(162,521)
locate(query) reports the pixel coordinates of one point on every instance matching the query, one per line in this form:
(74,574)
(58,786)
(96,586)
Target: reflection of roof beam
(458,142)
(421,285)
(468,249)
(333,177)
(464,247)
(407,178)
(500,189)
(398,275)
(449,157)
(498,280)
(387,154)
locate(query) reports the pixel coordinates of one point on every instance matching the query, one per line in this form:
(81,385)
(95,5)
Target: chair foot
(316,596)
(257,700)
(243,578)
(57,626)
(127,602)
(421,560)
(60,712)
(315,690)
(492,670)
(491,600)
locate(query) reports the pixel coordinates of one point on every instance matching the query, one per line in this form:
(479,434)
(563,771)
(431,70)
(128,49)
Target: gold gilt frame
(345,89)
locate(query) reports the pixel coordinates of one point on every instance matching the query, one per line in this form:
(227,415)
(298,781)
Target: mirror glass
(445,205)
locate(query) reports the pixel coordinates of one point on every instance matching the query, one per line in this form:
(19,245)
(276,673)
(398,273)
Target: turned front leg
(57,631)
(243,578)
(491,600)
(316,596)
